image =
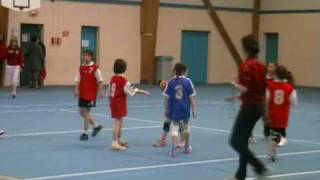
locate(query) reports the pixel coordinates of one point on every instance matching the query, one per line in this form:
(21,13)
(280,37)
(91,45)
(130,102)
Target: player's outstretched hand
(146,93)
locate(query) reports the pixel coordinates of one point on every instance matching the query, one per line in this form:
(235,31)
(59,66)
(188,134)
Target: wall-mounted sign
(85,43)
(65,33)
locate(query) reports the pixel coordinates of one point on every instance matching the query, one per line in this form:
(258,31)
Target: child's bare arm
(193,106)
(100,89)
(76,90)
(77,81)
(140,91)
(239,87)
(131,91)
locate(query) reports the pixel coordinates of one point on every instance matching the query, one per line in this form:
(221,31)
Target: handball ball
(163,84)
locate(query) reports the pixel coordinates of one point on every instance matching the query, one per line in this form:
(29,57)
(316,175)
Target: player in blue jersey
(179,101)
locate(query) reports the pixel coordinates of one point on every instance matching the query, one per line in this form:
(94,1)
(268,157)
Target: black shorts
(86,104)
(281,131)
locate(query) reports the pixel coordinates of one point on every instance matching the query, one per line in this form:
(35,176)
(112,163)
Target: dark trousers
(266,128)
(34,77)
(244,124)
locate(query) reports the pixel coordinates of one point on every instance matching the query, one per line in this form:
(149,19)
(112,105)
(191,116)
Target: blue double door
(194,54)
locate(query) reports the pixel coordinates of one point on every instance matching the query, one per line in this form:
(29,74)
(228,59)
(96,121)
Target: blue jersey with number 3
(178,91)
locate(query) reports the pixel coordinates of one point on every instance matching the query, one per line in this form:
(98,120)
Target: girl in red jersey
(271,67)
(88,87)
(15,63)
(281,95)
(119,88)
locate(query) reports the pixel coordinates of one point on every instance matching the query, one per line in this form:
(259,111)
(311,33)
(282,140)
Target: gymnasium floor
(43,128)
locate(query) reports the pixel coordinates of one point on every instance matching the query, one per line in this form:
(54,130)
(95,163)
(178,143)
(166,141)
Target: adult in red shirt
(251,82)
(15,63)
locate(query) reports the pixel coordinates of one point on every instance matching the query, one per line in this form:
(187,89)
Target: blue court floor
(43,127)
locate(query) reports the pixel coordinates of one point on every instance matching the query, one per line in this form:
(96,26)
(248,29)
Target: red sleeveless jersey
(118,97)
(88,85)
(279,104)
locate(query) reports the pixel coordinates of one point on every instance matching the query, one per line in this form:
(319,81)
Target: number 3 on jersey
(179,92)
(278,97)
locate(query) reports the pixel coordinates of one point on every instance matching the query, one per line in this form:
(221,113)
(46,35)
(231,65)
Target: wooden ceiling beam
(223,32)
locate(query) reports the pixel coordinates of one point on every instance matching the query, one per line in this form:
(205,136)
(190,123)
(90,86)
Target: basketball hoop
(21,5)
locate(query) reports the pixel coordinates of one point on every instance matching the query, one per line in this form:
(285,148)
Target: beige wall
(298,44)
(120,36)
(224,3)
(290,4)
(298,37)
(170,31)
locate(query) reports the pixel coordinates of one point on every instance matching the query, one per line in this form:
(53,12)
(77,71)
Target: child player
(179,98)
(88,87)
(166,126)
(118,90)
(281,95)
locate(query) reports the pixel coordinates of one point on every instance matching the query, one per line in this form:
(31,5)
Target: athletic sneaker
(272,158)
(160,143)
(1,132)
(173,152)
(118,147)
(124,143)
(13,96)
(282,142)
(84,137)
(187,149)
(96,130)
(181,144)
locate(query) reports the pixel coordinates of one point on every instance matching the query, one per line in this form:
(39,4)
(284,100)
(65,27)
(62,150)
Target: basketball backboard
(21,5)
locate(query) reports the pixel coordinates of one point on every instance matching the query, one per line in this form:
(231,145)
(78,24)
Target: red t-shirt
(279,104)
(15,57)
(118,97)
(3,52)
(88,85)
(252,75)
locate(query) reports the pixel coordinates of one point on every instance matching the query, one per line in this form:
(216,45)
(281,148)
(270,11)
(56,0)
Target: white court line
(140,168)
(30,111)
(217,131)
(72,131)
(99,103)
(290,174)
